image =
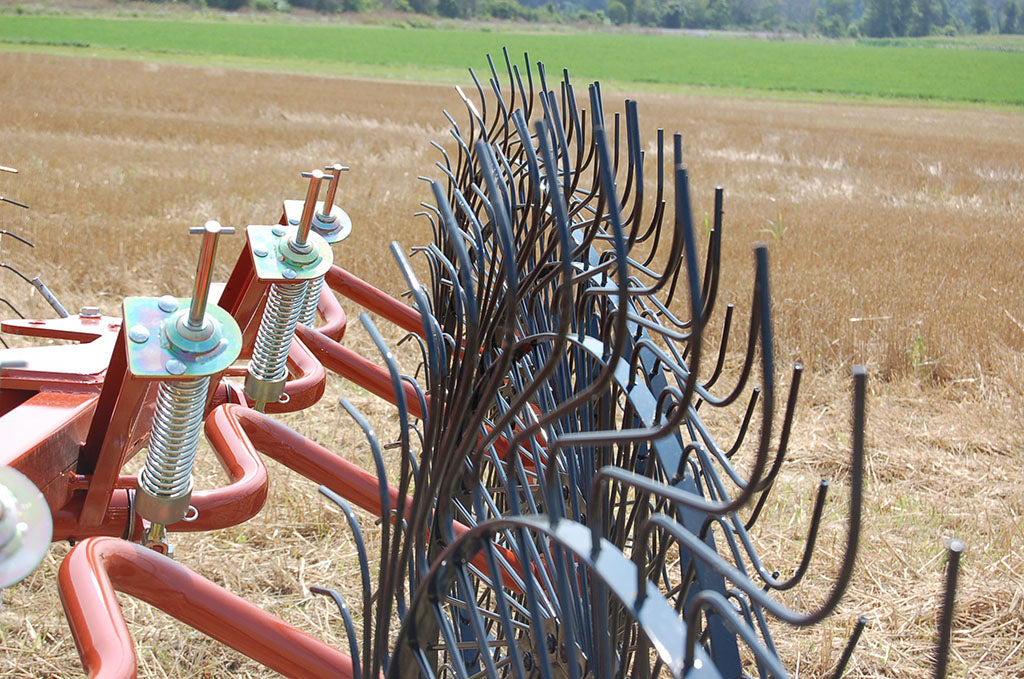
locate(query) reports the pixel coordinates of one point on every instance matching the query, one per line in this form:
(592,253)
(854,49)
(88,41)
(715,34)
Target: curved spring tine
(619,342)
(350,629)
(771,580)
(394,558)
(502,108)
(718,603)
(481,117)
(11,268)
(844,659)
(701,551)
(5,199)
(455,237)
(5,232)
(447,160)
(429,214)
(432,332)
(787,427)
(558,130)
(954,550)
(12,307)
(357,537)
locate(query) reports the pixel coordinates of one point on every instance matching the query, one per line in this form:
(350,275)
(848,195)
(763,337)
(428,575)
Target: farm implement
(582,453)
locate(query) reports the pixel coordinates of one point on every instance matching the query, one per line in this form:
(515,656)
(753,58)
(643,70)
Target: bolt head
(288,273)
(278,231)
(138,334)
(175,367)
(167,303)
(89,312)
(259,252)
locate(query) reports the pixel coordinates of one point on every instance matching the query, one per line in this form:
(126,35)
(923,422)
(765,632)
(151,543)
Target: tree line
(830,18)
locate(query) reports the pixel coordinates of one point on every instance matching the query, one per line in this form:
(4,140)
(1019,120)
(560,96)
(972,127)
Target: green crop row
(932,73)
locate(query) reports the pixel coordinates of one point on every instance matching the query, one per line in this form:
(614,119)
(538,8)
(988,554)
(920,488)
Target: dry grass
(896,242)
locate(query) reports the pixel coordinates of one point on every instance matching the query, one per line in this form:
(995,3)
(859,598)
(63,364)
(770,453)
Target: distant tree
(742,12)
(878,18)
(769,17)
(923,15)
(902,16)
(1009,22)
(617,12)
(671,14)
(718,13)
(648,13)
(833,18)
(980,17)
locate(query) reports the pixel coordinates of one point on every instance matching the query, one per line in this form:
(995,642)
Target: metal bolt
(175,367)
(204,271)
(552,643)
(288,273)
(167,303)
(277,231)
(527,661)
(89,312)
(138,334)
(259,252)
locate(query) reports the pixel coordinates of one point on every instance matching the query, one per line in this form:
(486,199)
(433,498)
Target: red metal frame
(99,567)
(74,415)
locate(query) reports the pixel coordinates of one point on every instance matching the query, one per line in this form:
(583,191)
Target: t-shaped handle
(308,208)
(332,188)
(204,272)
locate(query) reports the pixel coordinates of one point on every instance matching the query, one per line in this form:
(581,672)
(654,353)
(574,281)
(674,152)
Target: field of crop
(965,75)
(895,239)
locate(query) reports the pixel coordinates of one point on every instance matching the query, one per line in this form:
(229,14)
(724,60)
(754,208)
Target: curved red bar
(98,567)
(218,508)
(321,465)
(303,390)
(374,299)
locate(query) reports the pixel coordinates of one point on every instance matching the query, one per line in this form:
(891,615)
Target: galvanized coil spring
(308,315)
(174,436)
(274,338)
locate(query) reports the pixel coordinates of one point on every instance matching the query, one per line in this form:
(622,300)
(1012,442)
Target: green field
(988,76)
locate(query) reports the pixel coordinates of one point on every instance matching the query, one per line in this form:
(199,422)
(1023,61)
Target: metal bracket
(275,262)
(156,349)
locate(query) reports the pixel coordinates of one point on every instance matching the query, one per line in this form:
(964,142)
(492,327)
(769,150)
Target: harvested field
(896,241)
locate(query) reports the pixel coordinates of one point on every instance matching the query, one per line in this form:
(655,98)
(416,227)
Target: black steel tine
(954,550)
(350,629)
(851,644)
(5,232)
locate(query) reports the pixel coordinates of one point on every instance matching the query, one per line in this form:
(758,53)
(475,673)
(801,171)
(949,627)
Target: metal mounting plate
(341,227)
(151,354)
(266,242)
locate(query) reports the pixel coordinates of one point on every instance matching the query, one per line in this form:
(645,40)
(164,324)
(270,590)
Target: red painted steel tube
(321,465)
(352,366)
(99,567)
(218,508)
(374,299)
(305,388)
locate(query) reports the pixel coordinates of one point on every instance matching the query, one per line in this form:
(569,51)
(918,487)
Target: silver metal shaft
(204,271)
(308,208)
(332,188)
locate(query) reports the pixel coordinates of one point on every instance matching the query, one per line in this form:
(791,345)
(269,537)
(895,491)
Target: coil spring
(274,338)
(174,437)
(308,315)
